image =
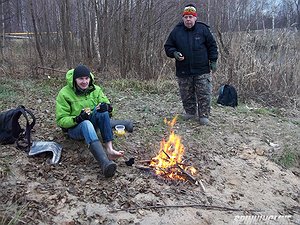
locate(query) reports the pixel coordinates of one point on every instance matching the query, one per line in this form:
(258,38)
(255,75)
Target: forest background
(123,39)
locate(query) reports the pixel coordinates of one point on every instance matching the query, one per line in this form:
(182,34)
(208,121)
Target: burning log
(192,179)
(189,176)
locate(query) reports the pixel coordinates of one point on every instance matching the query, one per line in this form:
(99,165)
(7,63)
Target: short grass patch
(288,159)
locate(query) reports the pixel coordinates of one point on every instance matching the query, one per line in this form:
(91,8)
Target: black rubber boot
(108,167)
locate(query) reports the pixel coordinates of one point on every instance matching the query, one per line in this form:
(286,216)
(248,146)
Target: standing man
(195,50)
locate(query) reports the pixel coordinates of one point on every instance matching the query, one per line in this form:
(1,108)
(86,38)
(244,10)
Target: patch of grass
(44,87)
(258,110)
(7,94)
(9,90)
(12,215)
(151,86)
(267,111)
(15,92)
(288,159)
(243,109)
(44,90)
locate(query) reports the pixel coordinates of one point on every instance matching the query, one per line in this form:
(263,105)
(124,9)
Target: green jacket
(69,103)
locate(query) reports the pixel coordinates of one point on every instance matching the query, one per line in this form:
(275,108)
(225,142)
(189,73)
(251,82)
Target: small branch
(141,167)
(208,207)
(144,161)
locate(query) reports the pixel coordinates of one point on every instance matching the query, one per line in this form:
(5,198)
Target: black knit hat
(81,71)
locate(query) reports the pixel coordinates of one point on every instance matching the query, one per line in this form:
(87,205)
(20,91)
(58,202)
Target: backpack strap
(26,138)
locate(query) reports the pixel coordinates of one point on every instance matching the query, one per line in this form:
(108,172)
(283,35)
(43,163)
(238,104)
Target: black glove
(82,116)
(103,107)
(213,66)
(177,55)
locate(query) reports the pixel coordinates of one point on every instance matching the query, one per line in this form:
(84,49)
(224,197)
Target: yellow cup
(120,130)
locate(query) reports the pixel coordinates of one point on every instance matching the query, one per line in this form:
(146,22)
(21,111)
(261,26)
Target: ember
(169,161)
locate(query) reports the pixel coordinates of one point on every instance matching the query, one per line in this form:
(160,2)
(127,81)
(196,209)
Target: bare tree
(127,36)
(65,28)
(3,31)
(36,34)
(297,3)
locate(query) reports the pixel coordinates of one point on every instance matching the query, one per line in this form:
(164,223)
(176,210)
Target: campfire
(169,162)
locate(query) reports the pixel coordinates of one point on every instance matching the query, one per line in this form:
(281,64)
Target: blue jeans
(87,129)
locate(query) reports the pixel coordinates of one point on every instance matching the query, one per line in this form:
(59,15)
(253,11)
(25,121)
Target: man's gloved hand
(213,66)
(84,115)
(103,107)
(178,56)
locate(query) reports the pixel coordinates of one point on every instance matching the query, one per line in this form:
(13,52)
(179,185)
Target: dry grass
(262,65)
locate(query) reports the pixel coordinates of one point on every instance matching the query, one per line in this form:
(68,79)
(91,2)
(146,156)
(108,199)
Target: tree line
(128,35)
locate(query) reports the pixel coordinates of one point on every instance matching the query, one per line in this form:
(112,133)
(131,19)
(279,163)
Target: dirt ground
(234,156)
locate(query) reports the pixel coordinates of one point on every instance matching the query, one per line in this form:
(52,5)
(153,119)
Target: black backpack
(227,96)
(10,129)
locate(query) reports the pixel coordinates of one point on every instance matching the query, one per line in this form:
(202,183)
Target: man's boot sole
(110,170)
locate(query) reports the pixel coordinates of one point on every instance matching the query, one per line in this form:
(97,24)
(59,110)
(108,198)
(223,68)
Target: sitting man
(81,109)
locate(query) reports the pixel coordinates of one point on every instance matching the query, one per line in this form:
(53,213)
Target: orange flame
(168,162)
